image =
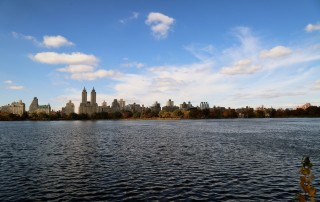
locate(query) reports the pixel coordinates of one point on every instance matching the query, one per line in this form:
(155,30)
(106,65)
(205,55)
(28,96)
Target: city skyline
(89,106)
(231,54)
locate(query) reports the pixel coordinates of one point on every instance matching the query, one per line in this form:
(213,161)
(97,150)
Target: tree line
(213,113)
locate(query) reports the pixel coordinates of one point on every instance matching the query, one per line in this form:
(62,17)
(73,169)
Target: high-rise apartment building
(14,108)
(36,108)
(170,103)
(204,105)
(69,108)
(122,104)
(87,107)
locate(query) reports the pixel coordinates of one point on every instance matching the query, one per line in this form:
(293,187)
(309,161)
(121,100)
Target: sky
(227,53)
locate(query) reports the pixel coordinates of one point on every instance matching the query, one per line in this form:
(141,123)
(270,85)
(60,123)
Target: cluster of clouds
(250,67)
(12,86)
(79,66)
(278,51)
(220,73)
(245,66)
(160,24)
(241,67)
(134,16)
(48,41)
(313,27)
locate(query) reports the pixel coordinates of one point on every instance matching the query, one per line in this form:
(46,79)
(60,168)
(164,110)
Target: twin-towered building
(88,107)
(91,107)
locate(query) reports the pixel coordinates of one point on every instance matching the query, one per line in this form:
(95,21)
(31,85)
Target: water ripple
(215,160)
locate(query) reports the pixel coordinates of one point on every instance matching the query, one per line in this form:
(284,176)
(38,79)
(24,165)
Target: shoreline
(157,119)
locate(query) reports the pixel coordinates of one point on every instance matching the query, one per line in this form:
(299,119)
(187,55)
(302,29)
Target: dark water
(214,160)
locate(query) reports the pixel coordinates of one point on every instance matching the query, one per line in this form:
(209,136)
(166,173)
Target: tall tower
(34,105)
(93,97)
(84,95)
(122,104)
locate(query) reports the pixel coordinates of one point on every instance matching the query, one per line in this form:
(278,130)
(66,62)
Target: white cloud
(241,67)
(134,16)
(202,52)
(192,82)
(94,75)
(248,47)
(203,80)
(86,72)
(8,82)
(312,27)
(160,24)
(26,37)
(48,41)
(265,94)
(11,86)
(317,85)
(14,87)
(278,51)
(80,66)
(76,68)
(64,58)
(138,65)
(297,57)
(55,41)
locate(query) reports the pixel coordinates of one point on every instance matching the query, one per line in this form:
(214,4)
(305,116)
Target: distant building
(244,112)
(36,108)
(115,106)
(14,108)
(204,105)
(122,104)
(170,103)
(87,107)
(134,107)
(156,107)
(68,109)
(305,106)
(170,106)
(104,107)
(185,106)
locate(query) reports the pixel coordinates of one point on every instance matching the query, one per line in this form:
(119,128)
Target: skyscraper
(87,107)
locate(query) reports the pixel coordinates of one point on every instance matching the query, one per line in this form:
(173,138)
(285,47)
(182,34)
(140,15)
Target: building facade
(36,108)
(104,107)
(122,104)
(156,107)
(115,106)
(87,107)
(170,103)
(69,108)
(169,106)
(14,108)
(134,107)
(186,106)
(204,105)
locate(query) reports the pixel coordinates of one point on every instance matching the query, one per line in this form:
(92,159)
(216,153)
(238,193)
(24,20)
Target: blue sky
(227,53)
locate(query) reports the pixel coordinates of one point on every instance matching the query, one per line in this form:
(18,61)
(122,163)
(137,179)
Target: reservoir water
(210,160)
